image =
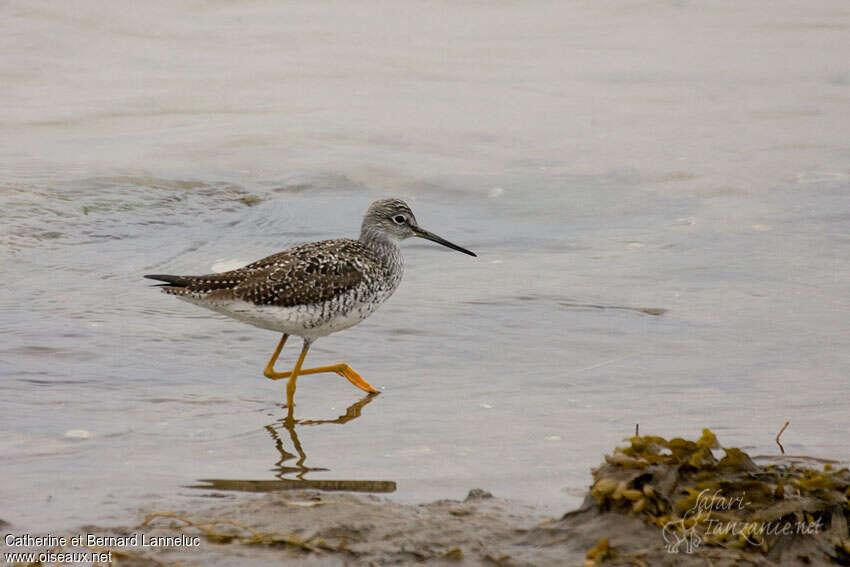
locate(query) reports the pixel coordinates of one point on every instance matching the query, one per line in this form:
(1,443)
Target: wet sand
(312,528)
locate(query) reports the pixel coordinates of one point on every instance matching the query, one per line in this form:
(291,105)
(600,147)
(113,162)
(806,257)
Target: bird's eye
(399,219)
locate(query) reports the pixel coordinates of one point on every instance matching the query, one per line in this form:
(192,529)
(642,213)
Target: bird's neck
(385,245)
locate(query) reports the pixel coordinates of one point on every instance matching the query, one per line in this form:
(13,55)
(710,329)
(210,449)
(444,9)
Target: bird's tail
(173,281)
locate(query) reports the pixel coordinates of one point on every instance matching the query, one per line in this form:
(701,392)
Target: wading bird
(314,289)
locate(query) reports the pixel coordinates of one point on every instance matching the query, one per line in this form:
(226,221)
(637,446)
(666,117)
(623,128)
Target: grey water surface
(658,191)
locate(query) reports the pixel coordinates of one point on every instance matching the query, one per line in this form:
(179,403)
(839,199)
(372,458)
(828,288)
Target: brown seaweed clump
(701,495)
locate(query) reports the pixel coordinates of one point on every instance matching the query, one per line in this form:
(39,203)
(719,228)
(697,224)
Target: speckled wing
(304,275)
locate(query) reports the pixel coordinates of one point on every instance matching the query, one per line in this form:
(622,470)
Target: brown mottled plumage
(307,274)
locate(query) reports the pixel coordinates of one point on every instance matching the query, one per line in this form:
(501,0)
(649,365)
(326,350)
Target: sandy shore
(652,502)
(313,528)
(316,529)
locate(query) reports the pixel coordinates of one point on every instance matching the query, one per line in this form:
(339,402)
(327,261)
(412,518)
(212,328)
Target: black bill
(422,233)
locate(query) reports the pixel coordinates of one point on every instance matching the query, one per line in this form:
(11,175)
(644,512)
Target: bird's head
(393,219)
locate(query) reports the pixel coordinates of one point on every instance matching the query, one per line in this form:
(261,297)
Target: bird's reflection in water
(284,467)
(289,424)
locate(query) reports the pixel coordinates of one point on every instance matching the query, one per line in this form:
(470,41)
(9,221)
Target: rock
(477,494)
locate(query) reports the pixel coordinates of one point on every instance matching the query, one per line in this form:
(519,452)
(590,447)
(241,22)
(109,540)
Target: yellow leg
(342,369)
(290,386)
(269,369)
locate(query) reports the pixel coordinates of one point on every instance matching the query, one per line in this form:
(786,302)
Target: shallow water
(658,193)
